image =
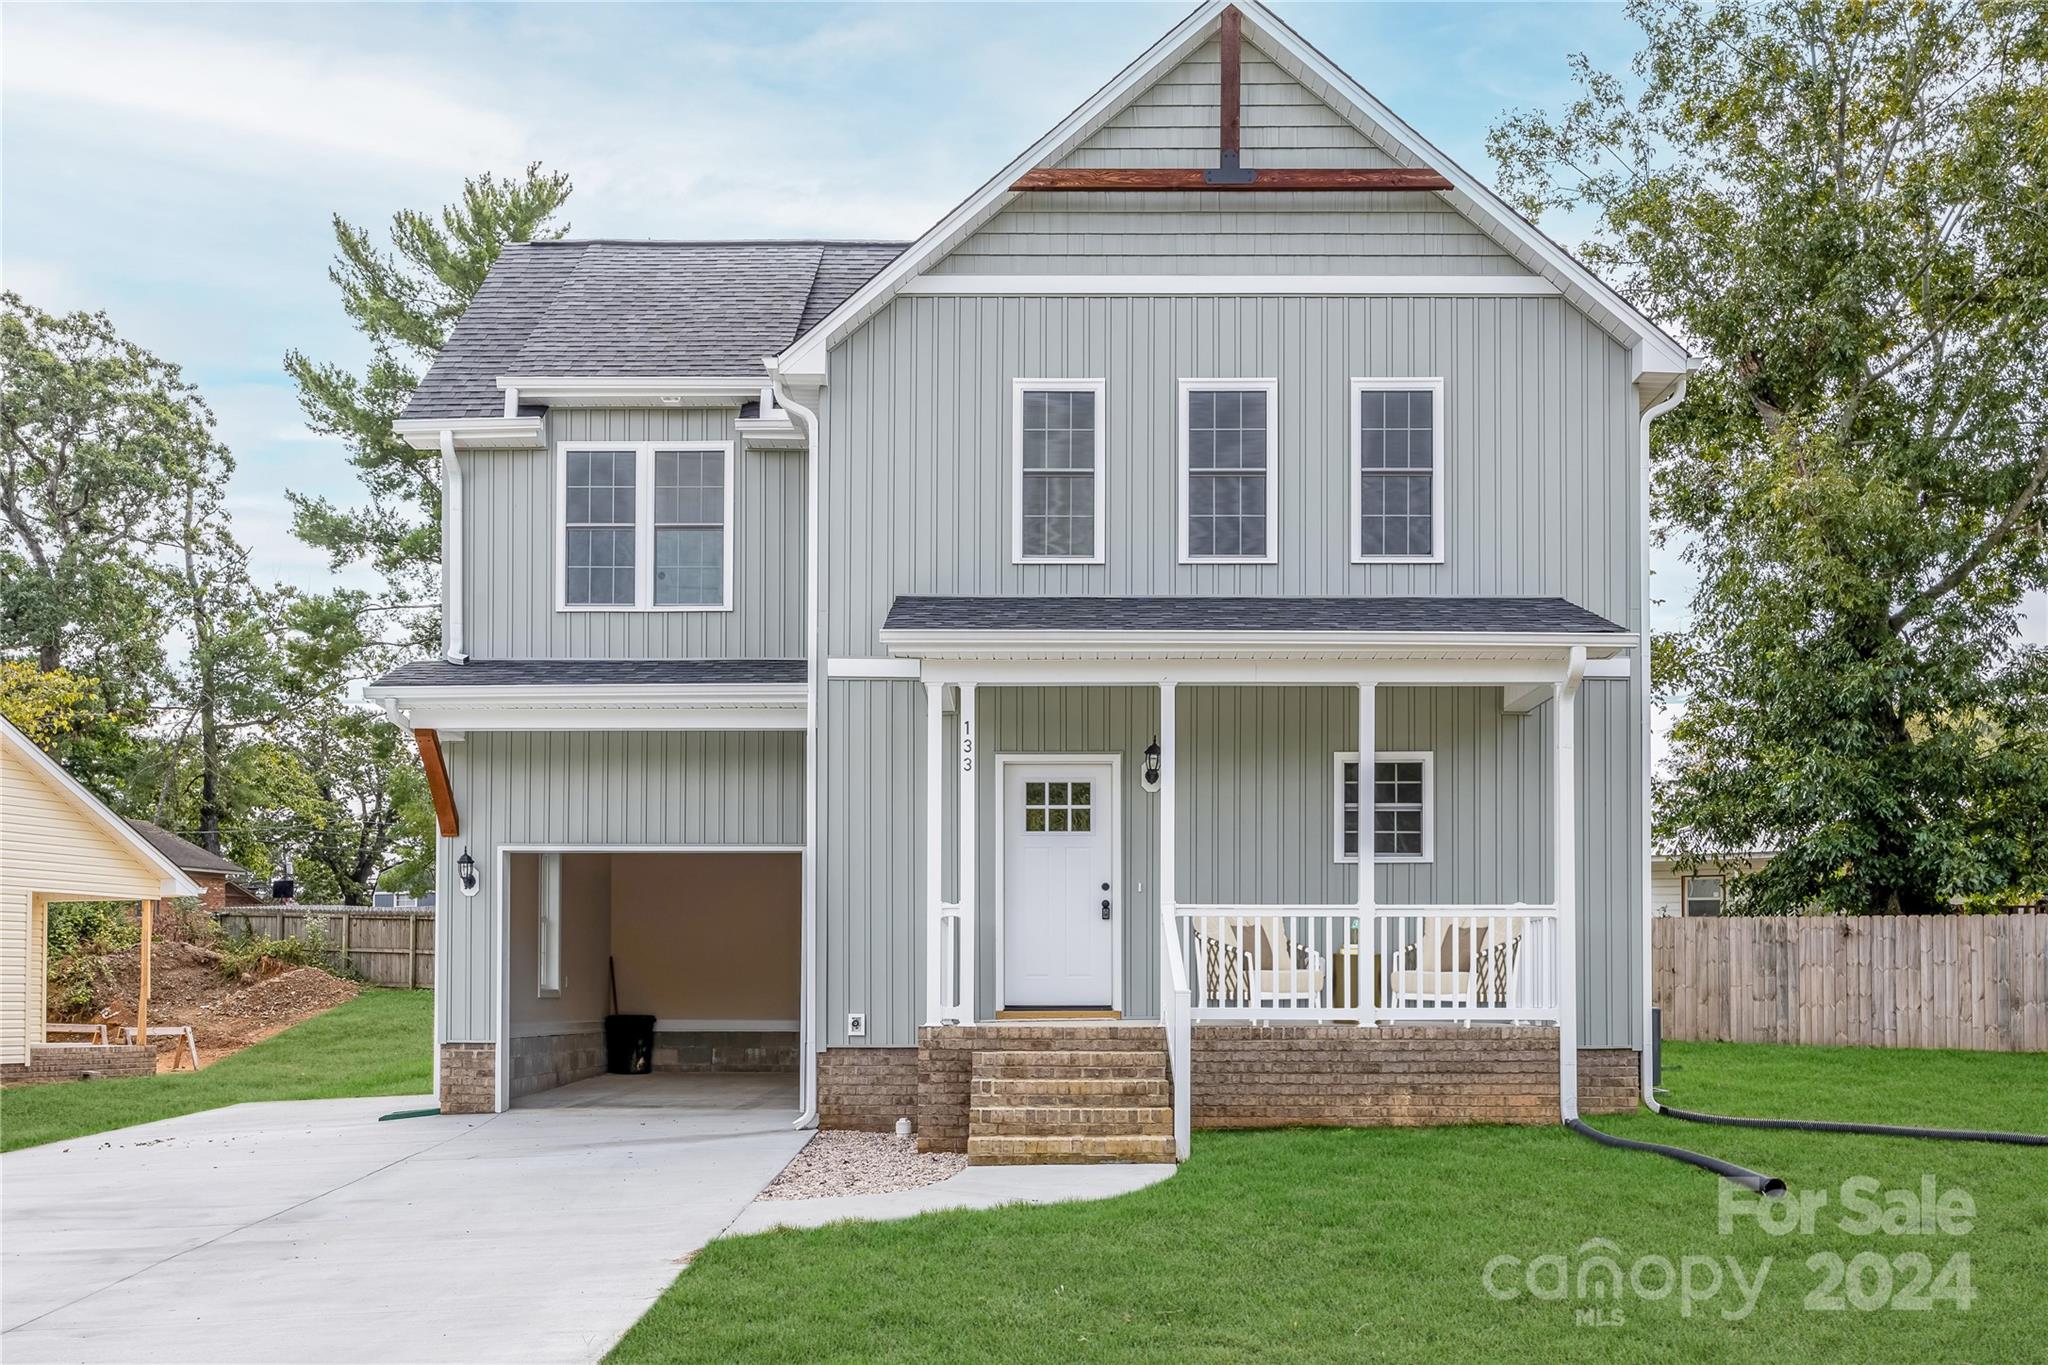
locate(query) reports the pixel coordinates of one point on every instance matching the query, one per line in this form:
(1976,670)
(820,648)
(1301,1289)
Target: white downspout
(807,1040)
(1565,876)
(1648,966)
(452,645)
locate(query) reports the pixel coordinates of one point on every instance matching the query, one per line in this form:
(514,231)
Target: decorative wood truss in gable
(1229,173)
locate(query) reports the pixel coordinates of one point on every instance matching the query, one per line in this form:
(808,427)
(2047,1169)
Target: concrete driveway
(308,1231)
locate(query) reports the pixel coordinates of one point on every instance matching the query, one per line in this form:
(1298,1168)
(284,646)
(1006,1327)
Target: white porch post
(1368,894)
(934,849)
(970,860)
(1565,776)
(1169,763)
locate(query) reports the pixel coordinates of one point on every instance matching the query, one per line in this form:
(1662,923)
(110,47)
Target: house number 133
(966,746)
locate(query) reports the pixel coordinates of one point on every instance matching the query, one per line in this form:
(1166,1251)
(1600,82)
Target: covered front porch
(1165,824)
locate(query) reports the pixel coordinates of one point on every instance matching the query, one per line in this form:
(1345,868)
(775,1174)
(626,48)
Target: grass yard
(380,1043)
(1371,1244)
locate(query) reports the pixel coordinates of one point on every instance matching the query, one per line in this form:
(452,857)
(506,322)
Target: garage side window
(550,956)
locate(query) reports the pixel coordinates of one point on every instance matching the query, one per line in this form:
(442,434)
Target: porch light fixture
(465,870)
(1149,779)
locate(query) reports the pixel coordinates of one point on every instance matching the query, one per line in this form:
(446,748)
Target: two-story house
(971,675)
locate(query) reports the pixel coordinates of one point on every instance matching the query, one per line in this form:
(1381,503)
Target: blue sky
(178,166)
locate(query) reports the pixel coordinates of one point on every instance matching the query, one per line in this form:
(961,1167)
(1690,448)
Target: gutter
(451,549)
(814,660)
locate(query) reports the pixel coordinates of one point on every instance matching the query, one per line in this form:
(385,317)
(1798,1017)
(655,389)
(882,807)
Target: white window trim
(1271,388)
(1365,804)
(643,525)
(548,902)
(1685,895)
(1018,388)
(1360,387)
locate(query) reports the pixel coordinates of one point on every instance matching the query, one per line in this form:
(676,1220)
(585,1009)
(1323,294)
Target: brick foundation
(544,1062)
(469,1078)
(50,1062)
(1610,1080)
(945,1065)
(772,1051)
(867,1088)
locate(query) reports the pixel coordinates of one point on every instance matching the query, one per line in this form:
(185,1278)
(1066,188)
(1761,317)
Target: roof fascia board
(590,694)
(1317,285)
(471,433)
(1544,667)
(922,643)
(630,388)
(806,355)
(175,882)
(447,719)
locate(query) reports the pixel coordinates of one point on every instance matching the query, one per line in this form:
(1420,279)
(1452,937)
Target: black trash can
(629,1044)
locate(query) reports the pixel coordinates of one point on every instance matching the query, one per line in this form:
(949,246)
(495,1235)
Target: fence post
(412,952)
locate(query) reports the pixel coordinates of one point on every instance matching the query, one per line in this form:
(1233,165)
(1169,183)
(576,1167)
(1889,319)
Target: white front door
(1059,884)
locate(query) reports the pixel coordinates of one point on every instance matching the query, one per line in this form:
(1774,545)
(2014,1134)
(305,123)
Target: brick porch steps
(1069,1105)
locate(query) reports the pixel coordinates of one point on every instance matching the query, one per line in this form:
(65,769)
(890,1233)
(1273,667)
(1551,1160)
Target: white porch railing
(1494,963)
(949,993)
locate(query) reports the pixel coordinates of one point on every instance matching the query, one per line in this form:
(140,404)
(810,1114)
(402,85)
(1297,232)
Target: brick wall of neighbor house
(70,1062)
(945,1065)
(542,1063)
(867,1088)
(1262,1076)
(213,890)
(731,1051)
(469,1078)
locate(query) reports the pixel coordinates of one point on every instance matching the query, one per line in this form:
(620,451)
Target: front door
(1059,884)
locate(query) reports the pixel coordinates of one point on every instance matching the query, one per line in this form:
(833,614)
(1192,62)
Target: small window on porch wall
(1403,808)
(549,956)
(1057,460)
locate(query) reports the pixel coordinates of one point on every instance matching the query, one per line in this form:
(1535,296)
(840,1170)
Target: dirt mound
(187,986)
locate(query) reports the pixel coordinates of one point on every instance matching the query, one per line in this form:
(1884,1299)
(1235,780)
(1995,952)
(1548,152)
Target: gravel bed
(837,1163)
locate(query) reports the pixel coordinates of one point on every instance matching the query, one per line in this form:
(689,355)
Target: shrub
(244,958)
(81,935)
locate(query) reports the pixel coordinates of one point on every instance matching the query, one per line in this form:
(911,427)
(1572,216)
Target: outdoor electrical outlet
(856,1026)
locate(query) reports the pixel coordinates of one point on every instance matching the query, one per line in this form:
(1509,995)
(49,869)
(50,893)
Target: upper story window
(1397,485)
(1227,448)
(644,526)
(1057,459)
(1403,808)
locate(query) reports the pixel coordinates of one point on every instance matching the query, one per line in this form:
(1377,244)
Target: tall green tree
(1844,206)
(404,301)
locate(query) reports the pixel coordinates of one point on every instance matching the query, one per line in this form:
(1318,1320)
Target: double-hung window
(1227,456)
(1705,896)
(1403,821)
(644,526)
(1397,476)
(1056,438)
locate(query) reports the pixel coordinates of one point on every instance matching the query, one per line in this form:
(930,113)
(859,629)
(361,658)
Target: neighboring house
(899,657)
(221,882)
(59,843)
(1696,889)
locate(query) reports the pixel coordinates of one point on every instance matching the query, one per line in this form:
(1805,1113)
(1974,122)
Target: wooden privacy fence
(389,947)
(1963,981)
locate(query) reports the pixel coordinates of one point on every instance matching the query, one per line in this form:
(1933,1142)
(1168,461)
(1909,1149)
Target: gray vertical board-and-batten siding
(510,534)
(1539,462)
(657,788)
(1257,824)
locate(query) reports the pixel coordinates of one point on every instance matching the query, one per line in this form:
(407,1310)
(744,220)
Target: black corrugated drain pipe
(1872,1129)
(1767,1185)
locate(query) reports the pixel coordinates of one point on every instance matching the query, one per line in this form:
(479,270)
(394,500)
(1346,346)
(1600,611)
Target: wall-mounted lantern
(1149,778)
(465,872)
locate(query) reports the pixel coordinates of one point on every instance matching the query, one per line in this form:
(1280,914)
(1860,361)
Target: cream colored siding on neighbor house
(49,850)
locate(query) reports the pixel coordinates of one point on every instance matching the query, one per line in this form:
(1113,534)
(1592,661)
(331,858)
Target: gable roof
(185,855)
(1657,352)
(667,309)
(175,882)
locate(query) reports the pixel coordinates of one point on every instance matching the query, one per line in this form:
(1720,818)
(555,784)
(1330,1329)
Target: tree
(95,436)
(47,705)
(1845,208)
(404,302)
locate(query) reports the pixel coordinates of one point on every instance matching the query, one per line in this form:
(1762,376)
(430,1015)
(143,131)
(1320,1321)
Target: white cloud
(177,83)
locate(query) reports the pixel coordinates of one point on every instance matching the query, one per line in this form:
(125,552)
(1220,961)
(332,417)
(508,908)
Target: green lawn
(380,1043)
(1372,1244)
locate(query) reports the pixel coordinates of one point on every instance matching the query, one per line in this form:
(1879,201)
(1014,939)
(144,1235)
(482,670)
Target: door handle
(1105,909)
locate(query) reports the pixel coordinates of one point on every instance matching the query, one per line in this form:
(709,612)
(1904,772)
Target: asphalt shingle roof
(686,309)
(183,854)
(569,672)
(1536,615)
